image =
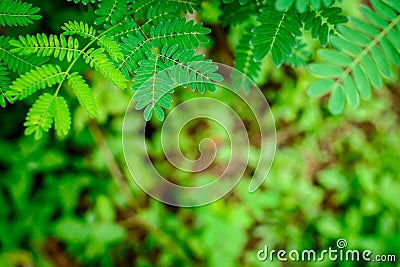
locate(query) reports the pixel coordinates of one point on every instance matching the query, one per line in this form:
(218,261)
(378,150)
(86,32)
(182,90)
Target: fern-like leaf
(126,27)
(302,5)
(62,116)
(133,48)
(4,84)
(276,34)
(83,93)
(34,80)
(163,70)
(79,28)
(244,63)
(177,31)
(161,12)
(83,29)
(238,12)
(40,116)
(301,55)
(111,12)
(85,2)
(18,63)
(96,58)
(45,46)
(17,13)
(363,56)
(323,23)
(141,8)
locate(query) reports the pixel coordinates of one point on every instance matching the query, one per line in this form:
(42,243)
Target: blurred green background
(70,202)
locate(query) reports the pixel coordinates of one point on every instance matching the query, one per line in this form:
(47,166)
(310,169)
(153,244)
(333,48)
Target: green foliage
(64,199)
(237,12)
(17,13)
(83,93)
(17,63)
(365,54)
(323,23)
(279,27)
(127,35)
(244,62)
(162,70)
(40,116)
(111,12)
(62,116)
(4,84)
(98,59)
(34,80)
(59,47)
(302,5)
(142,8)
(85,2)
(177,31)
(276,34)
(114,52)
(111,47)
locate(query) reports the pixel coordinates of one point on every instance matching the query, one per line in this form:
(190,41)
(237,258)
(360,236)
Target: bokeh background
(71,201)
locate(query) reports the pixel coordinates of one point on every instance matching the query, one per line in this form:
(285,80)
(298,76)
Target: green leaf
(40,116)
(111,12)
(140,8)
(353,35)
(325,70)
(383,10)
(111,47)
(381,61)
(72,230)
(62,116)
(46,46)
(107,232)
(83,93)
(322,22)
(337,101)
(320,88)
(362,82)
(17,13)
(345,45)
(373,18)
(98,59)
(4,84)
(372,71)
(351,92)
(283,5)
(335,57)
(366,51)
(85,2)
(302,5)
(159,112)
(15,62)
(164,70)
(105,209)
(39,78)
(276,33)
(390,53)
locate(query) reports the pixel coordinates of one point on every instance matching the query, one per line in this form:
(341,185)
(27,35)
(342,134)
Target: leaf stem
(83,50)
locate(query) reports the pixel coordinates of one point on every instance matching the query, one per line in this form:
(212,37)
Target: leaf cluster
(363,55)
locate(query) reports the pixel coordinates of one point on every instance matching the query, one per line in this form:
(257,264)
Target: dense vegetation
(65,195)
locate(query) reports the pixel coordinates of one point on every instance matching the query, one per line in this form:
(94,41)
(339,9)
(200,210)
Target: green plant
(69,203)
(140,39)
(365,52)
